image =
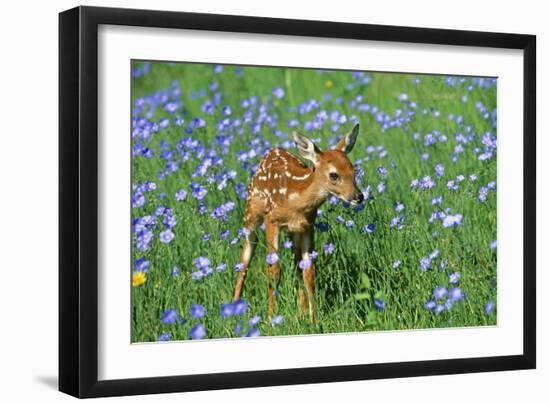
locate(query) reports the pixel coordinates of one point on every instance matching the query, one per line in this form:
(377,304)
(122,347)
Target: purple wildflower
(167,336)
(456,294)
(181,195)
(197,311)
(202,262)
(277,320)
(489,307)
(452,220)
(142,265)
(454,277)
(440,292)
(379,304)
(304,264)
(278,93)
(169,316)
(272,258)
(166,236)
(197,332)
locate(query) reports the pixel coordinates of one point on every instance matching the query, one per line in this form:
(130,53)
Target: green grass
(360,269)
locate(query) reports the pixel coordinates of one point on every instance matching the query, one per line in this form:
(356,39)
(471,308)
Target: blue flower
(199,192)
(430,305)
(254,320)
(169,316)
(489,307)
(226,110)
(425,263)
(439,170)
(147,153)
(202,262)
(397,222)
(427,183)
(287,244)
(169,221)
(438,308)
(227,310)
(379,304)
(493,245)
(454,277)
(181,195)
(165,337)
(440,292)
(253,332)
(142,265)
(277,320)
(329,248)
(278,93)
(369,228)
(399,207)
(272,258)
(197,311)
(138,200)
(304,264)
(456,294)
(396,264)
(166,236)
(240,306)
(452,220)
(452,185)
(197,332)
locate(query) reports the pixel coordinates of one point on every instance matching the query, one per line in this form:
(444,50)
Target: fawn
(286,194)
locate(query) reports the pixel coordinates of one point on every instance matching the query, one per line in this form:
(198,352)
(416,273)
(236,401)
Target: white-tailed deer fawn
(286,194)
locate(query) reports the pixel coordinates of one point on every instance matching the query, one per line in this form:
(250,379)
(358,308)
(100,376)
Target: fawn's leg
(273,271)
(307,293)
(249,245)
(297,241)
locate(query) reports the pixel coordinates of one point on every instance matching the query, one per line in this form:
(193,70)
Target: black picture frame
(78,200)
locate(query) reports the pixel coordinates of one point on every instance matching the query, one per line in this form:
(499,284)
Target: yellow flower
(138,278)
(329,84)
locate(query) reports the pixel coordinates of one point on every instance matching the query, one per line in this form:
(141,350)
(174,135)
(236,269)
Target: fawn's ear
(307,148)
(348,141)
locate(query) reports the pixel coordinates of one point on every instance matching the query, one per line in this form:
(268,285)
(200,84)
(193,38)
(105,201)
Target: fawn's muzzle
(358,197)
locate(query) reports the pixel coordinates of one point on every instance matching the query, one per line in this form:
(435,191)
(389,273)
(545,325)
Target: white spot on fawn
(293,196)
(303,177)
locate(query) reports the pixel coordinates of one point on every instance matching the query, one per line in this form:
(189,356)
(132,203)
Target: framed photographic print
(251,201)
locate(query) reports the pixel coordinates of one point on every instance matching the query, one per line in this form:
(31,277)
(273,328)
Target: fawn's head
(334,172)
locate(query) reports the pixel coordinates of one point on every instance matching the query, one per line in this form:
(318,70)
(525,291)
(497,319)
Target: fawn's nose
(358,197)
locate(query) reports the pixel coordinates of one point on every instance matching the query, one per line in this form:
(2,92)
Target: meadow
(419,252)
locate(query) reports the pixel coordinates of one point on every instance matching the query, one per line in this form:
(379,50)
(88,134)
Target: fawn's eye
(334,177)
